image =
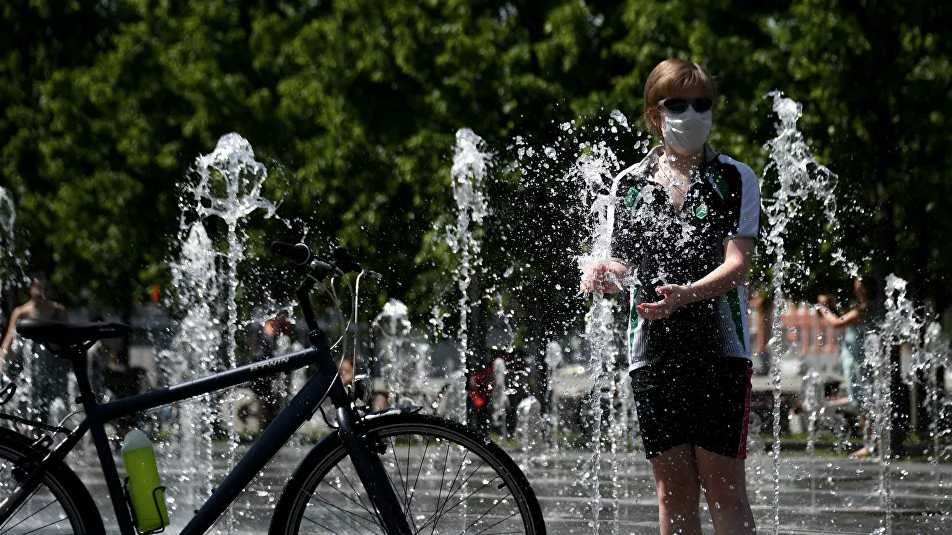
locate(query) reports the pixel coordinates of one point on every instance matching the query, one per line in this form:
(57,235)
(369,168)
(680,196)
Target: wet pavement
(817,495)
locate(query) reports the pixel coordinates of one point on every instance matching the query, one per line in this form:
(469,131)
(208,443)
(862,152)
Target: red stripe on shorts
(742,447)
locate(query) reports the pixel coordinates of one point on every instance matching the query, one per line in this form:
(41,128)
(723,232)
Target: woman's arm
(725,277)
(8,339)
(831,319)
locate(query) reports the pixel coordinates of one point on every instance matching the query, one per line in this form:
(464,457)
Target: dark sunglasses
(678,105)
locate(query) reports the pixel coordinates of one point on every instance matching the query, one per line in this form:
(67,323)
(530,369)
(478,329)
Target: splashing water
(230,181)
(902,322)
(470,167)
(471,164)
(901,325)
(554,356)
(598,172)
(500,397)
(193,353)
(799,178)
(8,219)
(229,187)
(11,274)
(529,428)
(620,118)
(403,369)
(8,213)
(11,261)
(935,354)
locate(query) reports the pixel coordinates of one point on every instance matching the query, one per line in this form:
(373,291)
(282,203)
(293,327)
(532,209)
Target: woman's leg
(725,487)
(676,477)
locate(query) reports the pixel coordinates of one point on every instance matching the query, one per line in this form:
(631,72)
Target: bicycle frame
(300,409)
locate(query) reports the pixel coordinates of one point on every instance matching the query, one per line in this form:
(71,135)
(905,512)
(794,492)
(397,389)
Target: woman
(857,324)
(685,231)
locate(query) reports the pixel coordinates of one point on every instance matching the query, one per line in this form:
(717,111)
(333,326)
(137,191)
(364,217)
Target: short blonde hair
(672,76)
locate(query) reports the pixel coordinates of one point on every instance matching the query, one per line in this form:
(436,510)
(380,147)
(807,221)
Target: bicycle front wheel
(60,505)
(448,480)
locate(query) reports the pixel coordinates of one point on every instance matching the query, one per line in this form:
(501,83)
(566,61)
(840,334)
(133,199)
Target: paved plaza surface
(817,495)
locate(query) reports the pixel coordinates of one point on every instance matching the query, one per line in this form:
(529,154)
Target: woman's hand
(675,295)
(603,277)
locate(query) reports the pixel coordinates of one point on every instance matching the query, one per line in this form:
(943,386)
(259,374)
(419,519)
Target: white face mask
(687,131)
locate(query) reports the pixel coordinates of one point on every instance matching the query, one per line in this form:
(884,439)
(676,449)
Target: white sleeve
(748,218)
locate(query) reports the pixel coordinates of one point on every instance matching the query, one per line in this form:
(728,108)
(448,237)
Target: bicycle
(467,483)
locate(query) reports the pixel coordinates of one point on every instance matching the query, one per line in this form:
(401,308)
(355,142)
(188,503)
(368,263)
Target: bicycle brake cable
(326,421)
(332,292)
(353,388)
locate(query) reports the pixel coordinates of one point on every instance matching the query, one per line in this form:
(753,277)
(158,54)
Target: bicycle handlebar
(299,254)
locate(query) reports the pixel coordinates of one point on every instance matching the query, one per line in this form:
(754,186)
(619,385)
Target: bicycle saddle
(69,334)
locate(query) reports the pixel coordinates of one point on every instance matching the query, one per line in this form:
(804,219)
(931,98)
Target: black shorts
(701,402)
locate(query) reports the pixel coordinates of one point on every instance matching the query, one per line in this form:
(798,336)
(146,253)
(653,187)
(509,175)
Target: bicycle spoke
(355,515)
(417,480)
(21,507)
(318,524)
(394,487)
(491,525)
(343,520)
(442,506)
(407,495)
(437,514)
(463,500)
(345,495)
(46,526)
(360,501)
(375,513)
(408,470)
(442,477)
(462,463)
(461,485)
(396,462)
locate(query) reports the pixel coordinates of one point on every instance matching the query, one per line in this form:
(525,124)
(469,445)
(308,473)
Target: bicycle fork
(372,473)
(370,470)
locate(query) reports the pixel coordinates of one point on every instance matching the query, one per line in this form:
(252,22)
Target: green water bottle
(143,474)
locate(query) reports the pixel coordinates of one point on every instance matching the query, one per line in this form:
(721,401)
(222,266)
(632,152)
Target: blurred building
(805,335)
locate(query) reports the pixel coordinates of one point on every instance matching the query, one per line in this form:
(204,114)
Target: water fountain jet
(471,164)
(228,186)
(799,178)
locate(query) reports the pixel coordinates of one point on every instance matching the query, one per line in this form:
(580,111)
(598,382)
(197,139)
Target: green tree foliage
(875,78)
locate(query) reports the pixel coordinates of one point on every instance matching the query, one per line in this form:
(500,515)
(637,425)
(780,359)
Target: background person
(856,323)
(274,337)
(687,220)
(48,373)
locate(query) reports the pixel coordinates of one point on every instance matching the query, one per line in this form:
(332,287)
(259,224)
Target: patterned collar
(651,158)
(709,154)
